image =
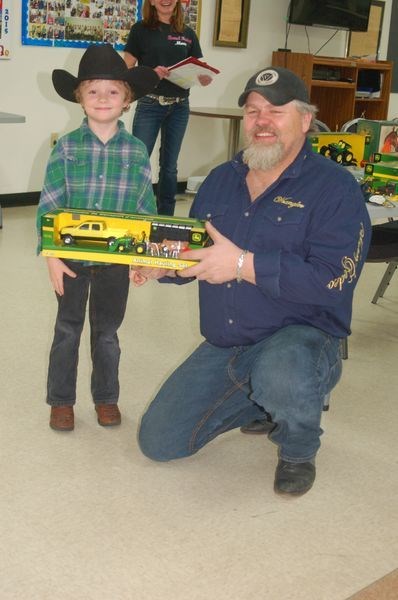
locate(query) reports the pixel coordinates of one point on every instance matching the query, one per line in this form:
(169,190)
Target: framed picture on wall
(192,12)
(231,23)
(366,43)
(78,23)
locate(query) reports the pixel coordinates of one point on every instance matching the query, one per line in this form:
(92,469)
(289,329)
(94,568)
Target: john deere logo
(197,237)
(267,77)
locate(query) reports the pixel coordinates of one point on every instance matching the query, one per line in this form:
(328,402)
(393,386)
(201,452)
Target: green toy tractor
(340,152)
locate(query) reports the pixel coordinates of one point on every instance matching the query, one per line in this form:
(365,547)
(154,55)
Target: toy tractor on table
(386,188)
(340,152)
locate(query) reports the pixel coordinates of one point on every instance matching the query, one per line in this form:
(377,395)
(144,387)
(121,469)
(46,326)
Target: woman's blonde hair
(151,20)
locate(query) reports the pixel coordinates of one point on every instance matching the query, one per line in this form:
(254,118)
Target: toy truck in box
(139,239)
(94,231)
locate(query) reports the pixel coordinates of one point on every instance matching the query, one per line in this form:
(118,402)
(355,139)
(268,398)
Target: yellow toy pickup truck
(95,231)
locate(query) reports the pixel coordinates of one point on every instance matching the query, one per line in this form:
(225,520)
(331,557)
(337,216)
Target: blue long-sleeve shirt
(309,232)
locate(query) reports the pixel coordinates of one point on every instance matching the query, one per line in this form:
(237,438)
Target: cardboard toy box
(131,239)
(324,141)
(380,136)
(384,157)
(382,170)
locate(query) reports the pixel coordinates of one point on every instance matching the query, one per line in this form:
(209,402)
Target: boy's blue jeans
(151,117)
(107,287)
(217,389)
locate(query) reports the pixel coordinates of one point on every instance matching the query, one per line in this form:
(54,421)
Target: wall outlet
(53,139)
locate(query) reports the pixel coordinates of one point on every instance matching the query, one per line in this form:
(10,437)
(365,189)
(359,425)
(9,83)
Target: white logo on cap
(267,77)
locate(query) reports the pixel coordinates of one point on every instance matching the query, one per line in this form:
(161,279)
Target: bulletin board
(78,23)
(5,28)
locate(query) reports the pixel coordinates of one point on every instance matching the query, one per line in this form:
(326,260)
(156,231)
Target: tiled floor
(85,516)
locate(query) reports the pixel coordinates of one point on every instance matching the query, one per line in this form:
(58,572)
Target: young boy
(98,166)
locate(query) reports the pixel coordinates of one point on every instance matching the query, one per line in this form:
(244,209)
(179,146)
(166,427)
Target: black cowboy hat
(103,62)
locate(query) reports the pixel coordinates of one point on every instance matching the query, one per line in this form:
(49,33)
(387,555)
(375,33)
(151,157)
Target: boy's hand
(140,275)
(57,268)
(137,278)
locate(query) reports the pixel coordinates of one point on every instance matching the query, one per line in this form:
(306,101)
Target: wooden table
(9,118)
(377,211)
(234,115)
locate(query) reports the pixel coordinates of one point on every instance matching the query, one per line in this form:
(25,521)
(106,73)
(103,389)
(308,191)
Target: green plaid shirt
(83,172)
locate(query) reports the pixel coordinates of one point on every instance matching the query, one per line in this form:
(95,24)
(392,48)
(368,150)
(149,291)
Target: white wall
(26,88)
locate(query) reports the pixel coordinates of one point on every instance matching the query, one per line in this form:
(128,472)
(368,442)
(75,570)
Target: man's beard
(263,158)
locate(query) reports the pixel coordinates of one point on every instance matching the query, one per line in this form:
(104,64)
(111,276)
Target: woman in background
(159,41)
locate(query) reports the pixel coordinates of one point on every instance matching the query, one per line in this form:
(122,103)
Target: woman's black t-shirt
(162,46)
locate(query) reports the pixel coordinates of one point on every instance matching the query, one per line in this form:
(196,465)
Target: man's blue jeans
(172,121)
(217,389)
(107,287)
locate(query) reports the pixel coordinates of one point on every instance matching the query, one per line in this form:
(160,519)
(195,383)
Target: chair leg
(344,348)
(384,283)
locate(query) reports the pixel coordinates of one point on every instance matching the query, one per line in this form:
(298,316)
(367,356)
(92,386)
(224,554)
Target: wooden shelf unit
(335,96)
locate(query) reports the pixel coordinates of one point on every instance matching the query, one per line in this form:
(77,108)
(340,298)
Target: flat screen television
(338,14)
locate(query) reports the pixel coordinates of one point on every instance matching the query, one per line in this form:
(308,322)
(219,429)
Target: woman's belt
(165,100)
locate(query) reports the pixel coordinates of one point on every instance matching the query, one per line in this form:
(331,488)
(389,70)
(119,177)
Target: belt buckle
(165,101)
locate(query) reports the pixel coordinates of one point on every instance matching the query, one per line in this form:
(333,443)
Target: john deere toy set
(380,159)
(133,239)
(374,147)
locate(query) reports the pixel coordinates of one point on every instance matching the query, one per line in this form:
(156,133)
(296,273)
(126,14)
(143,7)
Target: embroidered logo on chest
(288,202)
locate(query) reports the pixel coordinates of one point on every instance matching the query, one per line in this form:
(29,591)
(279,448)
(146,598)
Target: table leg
(233,137)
